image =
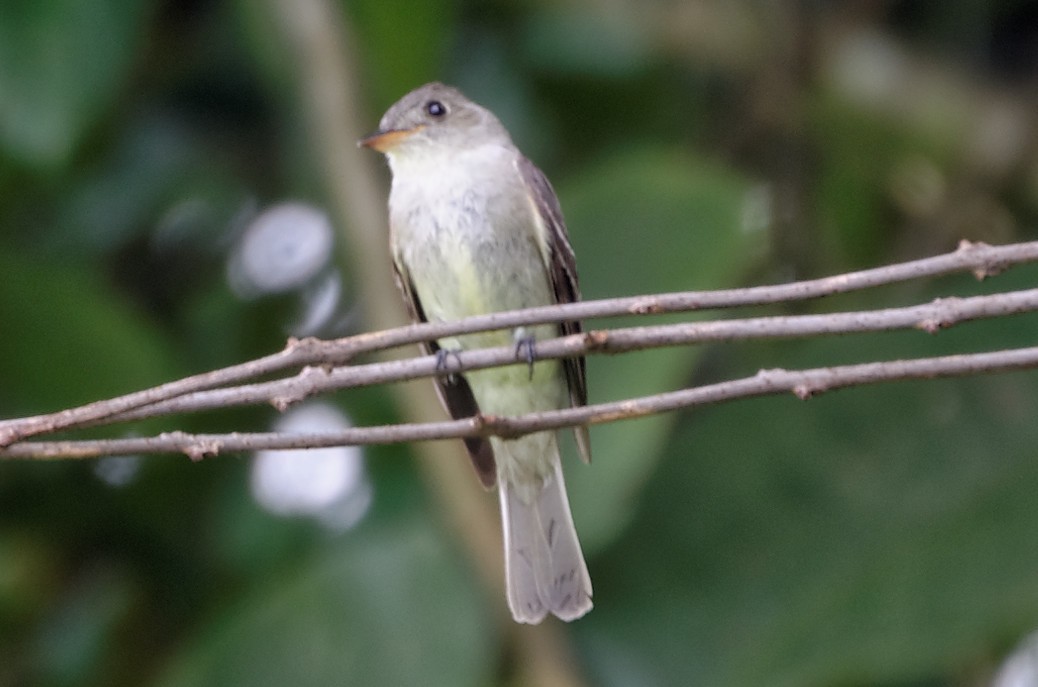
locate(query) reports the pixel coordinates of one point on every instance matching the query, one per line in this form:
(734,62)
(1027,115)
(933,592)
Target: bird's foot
(525,348)
(443,356)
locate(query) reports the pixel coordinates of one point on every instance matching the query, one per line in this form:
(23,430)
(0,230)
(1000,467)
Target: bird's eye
(435,108)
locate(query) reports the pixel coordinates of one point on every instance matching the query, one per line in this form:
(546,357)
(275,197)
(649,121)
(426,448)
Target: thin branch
(981,259)
(310,381)
(803,383)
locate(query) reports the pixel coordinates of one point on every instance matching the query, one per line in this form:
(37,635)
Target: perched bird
(476,228)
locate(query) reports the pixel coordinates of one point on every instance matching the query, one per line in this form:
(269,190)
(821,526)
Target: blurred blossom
(869,67)
(1021,668)
(283,249)
(328,484)
(117,471)
(287,249)
(757,210)
(320,304)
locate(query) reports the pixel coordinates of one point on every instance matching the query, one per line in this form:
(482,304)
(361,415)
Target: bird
(476,228)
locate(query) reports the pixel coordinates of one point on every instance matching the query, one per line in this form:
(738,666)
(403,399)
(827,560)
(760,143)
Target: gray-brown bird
(476,228)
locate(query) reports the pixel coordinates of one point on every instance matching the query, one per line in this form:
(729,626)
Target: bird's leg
(443,356)
(525,347)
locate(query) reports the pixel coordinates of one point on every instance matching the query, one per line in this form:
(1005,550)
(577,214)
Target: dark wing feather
(453,390)
(562,269)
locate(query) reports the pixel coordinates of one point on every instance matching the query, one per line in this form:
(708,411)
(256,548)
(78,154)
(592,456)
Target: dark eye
(435,108)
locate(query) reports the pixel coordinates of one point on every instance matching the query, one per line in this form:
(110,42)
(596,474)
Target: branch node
(496,425)
(628,409)
(646,306)
(982,272)
(310,347)
(942,316)
(199,452)
(770,376)
(930,325)
(306,384)
(195,449)
(805,391)
(479,424)
(307,344)
(596,339)
(8,437)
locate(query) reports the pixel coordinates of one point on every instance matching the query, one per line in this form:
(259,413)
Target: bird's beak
(384,141)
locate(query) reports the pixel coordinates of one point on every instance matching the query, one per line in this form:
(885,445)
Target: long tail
(544,566)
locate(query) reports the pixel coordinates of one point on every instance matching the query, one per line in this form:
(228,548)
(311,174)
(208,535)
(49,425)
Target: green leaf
(62,63)
(644,222)
(875,535)
(569,40)
(68,339)
(387,607)
(406,42)
(72,641)
(856,175)
(158,182)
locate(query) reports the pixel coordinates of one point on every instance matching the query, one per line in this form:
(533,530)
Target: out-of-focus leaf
(391,607)
(24,560)
(61,64)
(68,339)
(869,536)
(647,222)
(73,641)
(158,180)
(855,178)
(570,40)
(405,42)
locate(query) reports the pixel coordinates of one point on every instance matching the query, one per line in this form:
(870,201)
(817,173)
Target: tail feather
(544,565)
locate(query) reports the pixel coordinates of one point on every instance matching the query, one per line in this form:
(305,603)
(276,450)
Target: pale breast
(464,230)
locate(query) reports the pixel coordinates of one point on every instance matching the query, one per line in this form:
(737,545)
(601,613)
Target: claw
(525,349)
(443,355)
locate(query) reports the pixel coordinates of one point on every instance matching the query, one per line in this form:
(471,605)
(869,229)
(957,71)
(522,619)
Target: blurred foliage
(872,536)
(57,79)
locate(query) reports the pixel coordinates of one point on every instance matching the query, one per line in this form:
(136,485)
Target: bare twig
(311,381)
(981,259)
(803,383)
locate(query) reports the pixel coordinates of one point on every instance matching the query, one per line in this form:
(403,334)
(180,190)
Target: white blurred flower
(117,471)
(320,306)
(757,210)
(1020,669)
(283,248)
(329,484)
